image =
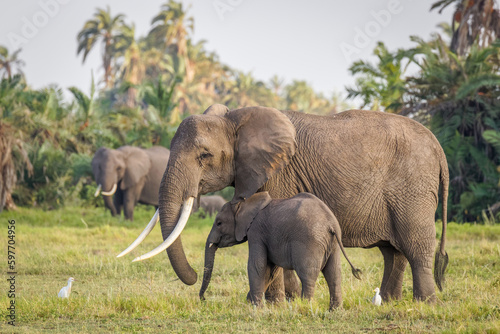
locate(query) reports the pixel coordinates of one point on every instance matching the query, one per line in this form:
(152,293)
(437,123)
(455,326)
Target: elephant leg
(292,285)
(258,272)
(421,263)
(129,201)
(423,280)
(333,276)
(308,276)
(394,268)
(418,243)
(118,201)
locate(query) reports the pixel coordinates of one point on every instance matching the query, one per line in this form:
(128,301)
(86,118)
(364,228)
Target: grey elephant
(299,233)
(379,173)
(210,204)
(129,174)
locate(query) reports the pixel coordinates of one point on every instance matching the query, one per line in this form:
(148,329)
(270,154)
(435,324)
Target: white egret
(377,300)
(65,291)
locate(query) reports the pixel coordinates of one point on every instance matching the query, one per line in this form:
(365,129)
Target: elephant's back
(303,216)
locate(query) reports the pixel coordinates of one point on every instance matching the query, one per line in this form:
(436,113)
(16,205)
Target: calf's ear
(247,211)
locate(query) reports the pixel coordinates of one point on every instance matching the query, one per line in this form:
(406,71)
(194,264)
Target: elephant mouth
(223,244)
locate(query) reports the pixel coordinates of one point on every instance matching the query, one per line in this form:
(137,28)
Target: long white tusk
(143,235)
(113,190)
(186,210)
(98,191)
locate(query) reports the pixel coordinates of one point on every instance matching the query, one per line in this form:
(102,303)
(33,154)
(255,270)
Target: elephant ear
(137,166)
(265,144)
(247,211)
(216,110)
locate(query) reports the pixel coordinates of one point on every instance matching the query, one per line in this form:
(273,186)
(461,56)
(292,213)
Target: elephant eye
(205,155)
(219,223)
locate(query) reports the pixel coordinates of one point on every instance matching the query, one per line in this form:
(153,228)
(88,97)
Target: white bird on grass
(66,291)
(377,300)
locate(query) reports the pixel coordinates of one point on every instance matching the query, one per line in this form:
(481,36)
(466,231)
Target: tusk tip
(137,259)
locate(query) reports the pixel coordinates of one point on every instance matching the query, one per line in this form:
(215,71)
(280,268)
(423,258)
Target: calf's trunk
(210,250)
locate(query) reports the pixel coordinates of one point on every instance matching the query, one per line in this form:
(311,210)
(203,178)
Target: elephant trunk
(210,250)
(108,202)
(174,191)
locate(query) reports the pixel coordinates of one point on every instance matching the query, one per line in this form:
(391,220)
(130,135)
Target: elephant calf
(300,233)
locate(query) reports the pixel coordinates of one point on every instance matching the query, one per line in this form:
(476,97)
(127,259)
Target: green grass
(115,295)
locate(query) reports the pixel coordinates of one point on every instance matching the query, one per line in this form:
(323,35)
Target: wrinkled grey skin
(210,204)
(137,173)
(379,174)
(299,233)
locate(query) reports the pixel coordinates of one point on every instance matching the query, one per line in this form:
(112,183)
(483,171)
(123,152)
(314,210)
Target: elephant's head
(230,229)
(124,168)
(243,148)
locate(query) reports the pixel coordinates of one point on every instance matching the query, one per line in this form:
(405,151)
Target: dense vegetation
(450,83)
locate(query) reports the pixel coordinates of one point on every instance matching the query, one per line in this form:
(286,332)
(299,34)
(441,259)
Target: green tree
(133,69)
(473,22)
(170,29)
(459,97)
(299,96)
(85,103)
(380,86)
(9,62)
(108,30)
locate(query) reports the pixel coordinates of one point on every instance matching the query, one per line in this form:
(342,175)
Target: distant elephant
(210,204)
(378,172)
(299,233)
(130,175)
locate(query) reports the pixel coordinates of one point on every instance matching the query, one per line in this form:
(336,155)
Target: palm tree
(11,151)
(299,96)
(246,91)
(132,69)
(9,61)
(85,103)
(106,29)
(473,22)
(170,29)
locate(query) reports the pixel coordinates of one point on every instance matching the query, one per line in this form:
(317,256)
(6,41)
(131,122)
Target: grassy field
(116,295)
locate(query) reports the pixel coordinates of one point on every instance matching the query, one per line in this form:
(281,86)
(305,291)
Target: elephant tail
(355,271)
(441,258)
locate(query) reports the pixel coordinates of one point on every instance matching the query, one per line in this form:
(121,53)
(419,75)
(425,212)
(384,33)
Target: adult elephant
(129,174)
(379,173)
(210,204)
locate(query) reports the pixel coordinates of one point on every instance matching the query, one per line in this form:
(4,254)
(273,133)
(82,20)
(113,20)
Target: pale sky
(313,40)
